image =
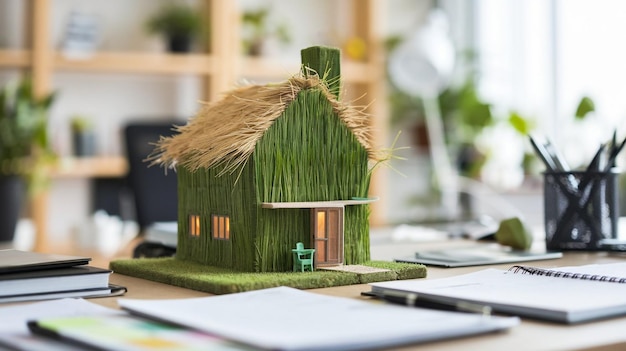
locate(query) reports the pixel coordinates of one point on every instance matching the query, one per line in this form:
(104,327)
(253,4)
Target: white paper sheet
(289,319)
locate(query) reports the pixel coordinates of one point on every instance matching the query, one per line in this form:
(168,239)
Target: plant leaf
(520,124)
(585,106)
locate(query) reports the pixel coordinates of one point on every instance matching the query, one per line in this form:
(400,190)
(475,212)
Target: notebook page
(507,288)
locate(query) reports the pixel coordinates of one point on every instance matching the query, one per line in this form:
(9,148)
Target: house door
(327,232)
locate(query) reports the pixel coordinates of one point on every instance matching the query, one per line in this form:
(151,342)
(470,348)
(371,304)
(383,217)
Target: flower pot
(11,193)
(84,143)
(179,43)
(256,48)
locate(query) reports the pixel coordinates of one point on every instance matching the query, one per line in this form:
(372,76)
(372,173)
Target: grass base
(218,281)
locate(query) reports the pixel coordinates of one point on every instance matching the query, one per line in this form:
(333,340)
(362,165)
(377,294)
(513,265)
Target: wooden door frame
(340,235)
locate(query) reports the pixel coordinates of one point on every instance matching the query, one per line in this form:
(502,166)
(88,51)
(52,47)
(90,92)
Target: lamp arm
(442,167)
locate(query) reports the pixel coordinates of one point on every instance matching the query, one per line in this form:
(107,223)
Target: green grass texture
(216,280)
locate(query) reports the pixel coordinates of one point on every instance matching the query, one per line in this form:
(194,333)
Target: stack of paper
(276,319)
(289,319)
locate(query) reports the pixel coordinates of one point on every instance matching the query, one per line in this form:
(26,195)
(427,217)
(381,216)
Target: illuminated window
(194,226)
(221,227)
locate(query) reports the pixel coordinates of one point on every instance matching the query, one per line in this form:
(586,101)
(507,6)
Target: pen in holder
(581,208)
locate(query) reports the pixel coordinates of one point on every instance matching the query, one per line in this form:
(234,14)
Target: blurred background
(454,88)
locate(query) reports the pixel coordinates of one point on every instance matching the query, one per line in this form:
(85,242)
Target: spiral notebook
(563,295)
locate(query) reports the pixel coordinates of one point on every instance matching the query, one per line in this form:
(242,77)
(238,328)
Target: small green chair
(302,258)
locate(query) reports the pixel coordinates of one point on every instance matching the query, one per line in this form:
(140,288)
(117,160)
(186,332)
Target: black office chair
(154,190)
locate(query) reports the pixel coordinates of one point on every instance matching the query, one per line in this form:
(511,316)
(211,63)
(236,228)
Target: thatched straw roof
(226,132)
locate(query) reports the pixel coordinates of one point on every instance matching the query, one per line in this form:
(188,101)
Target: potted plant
(256,31)
(463,112)
(83,136)
(24,149)
(179,24)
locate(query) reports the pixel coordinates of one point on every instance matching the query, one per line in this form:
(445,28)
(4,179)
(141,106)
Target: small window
(194,226)
(221,227)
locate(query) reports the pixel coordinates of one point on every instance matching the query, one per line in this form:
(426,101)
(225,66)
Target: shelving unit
(89,167)
(14,58)
(219,68)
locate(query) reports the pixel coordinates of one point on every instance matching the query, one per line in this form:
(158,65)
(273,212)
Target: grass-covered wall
(309,154)
(277,232)
(357,234)
(204,192)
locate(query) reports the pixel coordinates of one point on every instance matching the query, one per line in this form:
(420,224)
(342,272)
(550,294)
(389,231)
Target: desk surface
(530,335)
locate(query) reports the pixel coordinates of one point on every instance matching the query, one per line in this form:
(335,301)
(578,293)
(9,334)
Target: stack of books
(28,276)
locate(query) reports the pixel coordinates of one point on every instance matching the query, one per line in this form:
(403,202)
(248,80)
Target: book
(108,291)
(53,280)
(31,276)
(284,318)
(16,260)
(564,295)
(477,255)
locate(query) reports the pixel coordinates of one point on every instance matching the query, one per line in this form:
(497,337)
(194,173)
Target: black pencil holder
(580,208)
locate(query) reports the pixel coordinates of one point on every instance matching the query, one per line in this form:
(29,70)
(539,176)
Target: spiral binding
(561,274)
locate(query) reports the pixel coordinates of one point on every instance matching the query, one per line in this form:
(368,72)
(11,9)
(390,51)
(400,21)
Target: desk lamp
(422,67)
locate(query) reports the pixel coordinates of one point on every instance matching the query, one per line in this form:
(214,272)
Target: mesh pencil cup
(580,209)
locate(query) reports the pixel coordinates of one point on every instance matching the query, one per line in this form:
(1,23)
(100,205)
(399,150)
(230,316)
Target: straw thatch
(225,133)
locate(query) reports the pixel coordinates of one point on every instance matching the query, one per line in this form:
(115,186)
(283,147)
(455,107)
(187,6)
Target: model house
(269,166)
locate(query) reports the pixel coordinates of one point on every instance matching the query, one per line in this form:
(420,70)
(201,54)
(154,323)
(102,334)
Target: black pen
(552,160)
(613,147)
(558,159)
(596,163)
(544,155)
(615,150)
(415,300)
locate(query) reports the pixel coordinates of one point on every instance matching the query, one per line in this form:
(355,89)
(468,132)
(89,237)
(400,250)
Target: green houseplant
(257,29)
(179,24)
(465,115)
(24,149)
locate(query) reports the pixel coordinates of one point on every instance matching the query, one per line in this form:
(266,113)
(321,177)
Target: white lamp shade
(423,64)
